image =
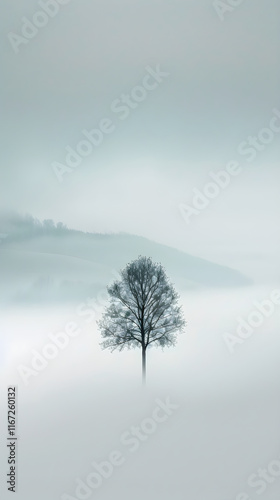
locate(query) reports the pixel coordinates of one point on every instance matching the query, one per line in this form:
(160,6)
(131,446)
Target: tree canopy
(143,309)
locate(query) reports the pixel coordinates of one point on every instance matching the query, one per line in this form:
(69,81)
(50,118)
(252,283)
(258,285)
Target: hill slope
(48,262)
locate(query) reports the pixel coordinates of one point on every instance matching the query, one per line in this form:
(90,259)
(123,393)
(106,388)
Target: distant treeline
(20,227)
(16,226)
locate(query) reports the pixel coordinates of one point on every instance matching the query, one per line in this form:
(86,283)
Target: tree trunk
(143,365)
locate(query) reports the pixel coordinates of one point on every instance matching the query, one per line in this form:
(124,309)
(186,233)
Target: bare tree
(143,310)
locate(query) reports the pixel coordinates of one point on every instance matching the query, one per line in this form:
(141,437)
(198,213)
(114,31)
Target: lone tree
(143,310)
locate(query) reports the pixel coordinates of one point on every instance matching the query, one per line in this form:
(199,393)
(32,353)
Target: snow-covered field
(83,404)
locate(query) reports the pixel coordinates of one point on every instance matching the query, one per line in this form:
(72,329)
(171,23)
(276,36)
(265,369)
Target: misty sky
(222,87)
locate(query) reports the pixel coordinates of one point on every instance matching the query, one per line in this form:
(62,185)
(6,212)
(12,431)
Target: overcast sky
(222,86)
